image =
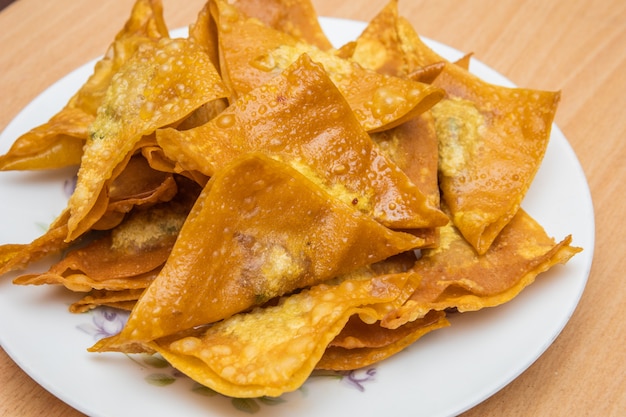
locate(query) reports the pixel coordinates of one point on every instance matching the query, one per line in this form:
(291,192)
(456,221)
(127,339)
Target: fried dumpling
(273,350)
(59,142)
(252,54)
(335,151)
(296,18)
(259,230)
(453,276)
(160,84)
(492,140)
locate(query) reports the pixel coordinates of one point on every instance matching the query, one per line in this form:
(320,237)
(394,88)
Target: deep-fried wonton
(160,84)
(378,47)
(491,143)
(454,276)
(273,350)
(59,142)
(252,53)
(259,230)
(492,140)
(325,142)
(127,257)
(295,17)
(204,32)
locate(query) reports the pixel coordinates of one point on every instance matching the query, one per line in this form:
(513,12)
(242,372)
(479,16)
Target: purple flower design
(357,378)
(354,379)
(104,322)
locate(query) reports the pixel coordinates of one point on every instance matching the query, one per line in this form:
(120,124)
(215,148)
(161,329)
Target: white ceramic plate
(444,373)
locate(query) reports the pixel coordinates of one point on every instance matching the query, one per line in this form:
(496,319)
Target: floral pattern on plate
(107,321)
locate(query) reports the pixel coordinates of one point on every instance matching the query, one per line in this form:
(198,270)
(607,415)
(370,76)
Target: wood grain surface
(576,46)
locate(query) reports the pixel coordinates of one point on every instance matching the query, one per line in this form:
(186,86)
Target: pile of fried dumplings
(266,204)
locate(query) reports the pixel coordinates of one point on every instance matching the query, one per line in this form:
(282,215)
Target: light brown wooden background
(576,46)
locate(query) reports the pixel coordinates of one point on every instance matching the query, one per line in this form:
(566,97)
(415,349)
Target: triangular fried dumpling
(126,257)
(383,46)
(273,350)
(252,53)
(59,142)
(492,140)
(259,230)
(204,32)
(295,17)
(145,25)
(454,276)
(160,84)
(325,142)
(378,47)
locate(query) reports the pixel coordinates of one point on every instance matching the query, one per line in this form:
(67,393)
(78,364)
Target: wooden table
(577,46)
